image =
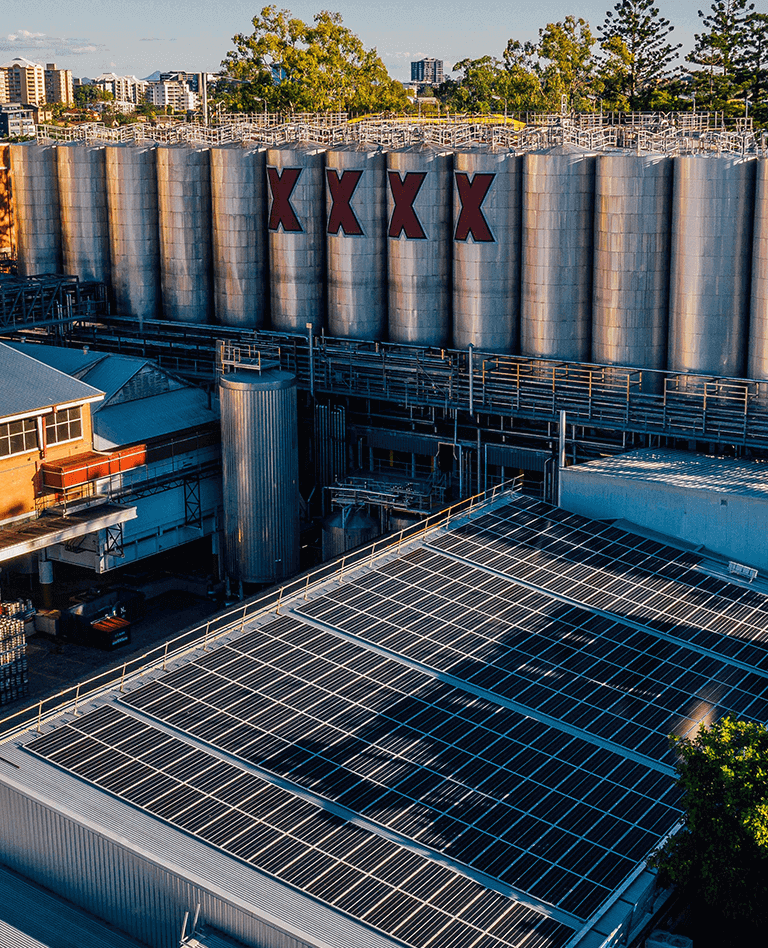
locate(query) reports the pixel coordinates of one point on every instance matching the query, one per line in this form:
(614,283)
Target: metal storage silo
(758,320)
(556,281)
(487,205)
(419,201)
(36,208)
(347,529)
(84,216)
(356,202)
(184,205)
(633,212)
(712,214)
(260,469)
(133,229)
(238,198)
(296,227)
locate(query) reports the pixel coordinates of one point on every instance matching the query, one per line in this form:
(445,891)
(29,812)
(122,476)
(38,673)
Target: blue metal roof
(28,385)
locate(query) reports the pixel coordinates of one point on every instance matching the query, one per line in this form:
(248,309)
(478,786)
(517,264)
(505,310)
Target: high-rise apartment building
(126,90)
(4,93)
(26,81)
(177,90)
(428,71)
(58,84)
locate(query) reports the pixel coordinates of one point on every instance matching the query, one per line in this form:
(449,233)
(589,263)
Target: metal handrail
(201,636)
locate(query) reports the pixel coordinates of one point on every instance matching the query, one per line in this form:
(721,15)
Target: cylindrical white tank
(36,208)
(556,291)
(238,198)
(712,215)
(133,229)
(758,321)
(356,202)
(84,216)
(296,226)
(347,529)
(260,471)
(419,200)
(633,212)
(184,204)
(487,205)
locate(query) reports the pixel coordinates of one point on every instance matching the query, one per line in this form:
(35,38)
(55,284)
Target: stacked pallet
(14,679)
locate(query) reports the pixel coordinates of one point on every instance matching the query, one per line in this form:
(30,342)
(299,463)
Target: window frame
(50,423)
(28,426)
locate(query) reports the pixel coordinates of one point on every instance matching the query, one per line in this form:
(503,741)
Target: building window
(64,425)
(18,437)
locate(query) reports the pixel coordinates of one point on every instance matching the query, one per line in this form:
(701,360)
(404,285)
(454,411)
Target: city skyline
(148,35)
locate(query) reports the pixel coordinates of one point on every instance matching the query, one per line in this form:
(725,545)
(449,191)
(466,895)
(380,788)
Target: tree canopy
(288,65)
(720,856)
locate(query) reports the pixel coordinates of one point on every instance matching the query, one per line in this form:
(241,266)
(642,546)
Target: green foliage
(720,52)
(566,65)
(720,856)
(86,96)
(636,54)
(288,65)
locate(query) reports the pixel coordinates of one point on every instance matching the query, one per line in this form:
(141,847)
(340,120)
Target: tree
(88,95)
(720,52)
(637,55)
(720,856)
(754,63)
(288,65)
(566,65)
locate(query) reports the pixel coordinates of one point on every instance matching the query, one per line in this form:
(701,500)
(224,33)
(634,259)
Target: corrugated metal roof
(681,469)
(33,917)
(70,361)
(147,418)
(27,384)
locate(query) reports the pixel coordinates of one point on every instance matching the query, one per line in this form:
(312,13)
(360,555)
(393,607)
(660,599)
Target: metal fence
(663,133)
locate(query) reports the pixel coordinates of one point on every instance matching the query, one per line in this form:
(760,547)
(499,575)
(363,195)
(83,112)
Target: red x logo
(471,219)
(404,193)
(282,212)
(342,216)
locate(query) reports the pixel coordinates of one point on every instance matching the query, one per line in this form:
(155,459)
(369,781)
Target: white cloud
(27,41)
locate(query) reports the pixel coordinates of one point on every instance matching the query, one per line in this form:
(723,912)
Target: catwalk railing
(664,133)
(703,408)
(48,299)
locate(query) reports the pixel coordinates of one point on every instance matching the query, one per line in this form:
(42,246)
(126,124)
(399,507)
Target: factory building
(456,739)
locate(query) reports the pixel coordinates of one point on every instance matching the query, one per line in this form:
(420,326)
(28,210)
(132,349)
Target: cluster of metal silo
(133,229)
(260,475)
(238,201)
(36,208)
(618,258)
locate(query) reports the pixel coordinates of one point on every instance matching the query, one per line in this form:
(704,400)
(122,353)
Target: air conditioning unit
(661,939)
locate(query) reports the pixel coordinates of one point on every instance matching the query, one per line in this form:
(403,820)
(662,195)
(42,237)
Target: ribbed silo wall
(238,199)
(556,280)
(487,208)
(356,204)
(7,235)
(419,251)
(260,471)
(36,208)
(712,215)
(296,237)
(133,229)
(184,215)
(84,216)
(633,214)
(758,321)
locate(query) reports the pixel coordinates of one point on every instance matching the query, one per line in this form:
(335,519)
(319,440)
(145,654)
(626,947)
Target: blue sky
(140,36)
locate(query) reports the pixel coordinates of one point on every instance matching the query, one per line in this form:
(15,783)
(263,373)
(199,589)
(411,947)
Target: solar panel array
(614,682)
(402,893)
(626,574)
(538,809)
(448,741)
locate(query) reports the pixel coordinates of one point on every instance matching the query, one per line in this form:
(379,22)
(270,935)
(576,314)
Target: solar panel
(399,748)
(346,866)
